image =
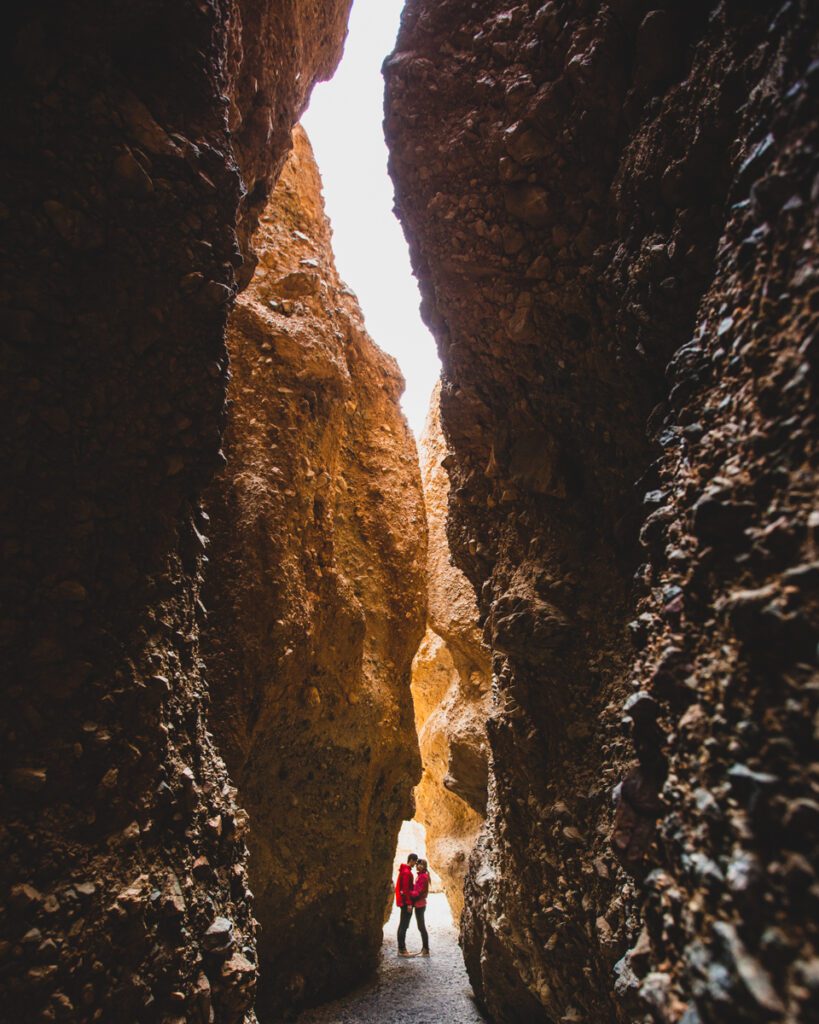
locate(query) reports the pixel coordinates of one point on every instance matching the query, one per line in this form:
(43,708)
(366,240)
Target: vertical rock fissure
(451,680)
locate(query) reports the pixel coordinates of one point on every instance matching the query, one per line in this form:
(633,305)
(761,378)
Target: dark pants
(406,917)
(422,928)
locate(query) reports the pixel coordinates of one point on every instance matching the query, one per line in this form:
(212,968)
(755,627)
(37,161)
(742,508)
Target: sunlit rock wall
(316,602)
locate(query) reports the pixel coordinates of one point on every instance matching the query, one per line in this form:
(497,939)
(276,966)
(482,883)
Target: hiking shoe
(424,952)
(403,952)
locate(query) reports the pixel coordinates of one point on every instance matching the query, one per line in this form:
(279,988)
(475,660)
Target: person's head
(412,860)
(421,865)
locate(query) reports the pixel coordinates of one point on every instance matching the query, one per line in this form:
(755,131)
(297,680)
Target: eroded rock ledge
(612,211)
(316,602)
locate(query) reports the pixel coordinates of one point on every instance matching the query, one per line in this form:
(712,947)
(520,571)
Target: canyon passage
(250,625)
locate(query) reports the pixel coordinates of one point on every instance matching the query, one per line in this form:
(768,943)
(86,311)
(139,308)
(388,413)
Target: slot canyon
(250,626)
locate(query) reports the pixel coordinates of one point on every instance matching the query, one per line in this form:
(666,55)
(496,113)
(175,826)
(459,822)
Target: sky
(344,122)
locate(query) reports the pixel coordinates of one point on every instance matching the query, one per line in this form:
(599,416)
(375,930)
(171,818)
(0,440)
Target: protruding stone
(219,936)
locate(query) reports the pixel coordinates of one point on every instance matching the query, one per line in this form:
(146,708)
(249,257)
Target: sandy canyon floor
(416,990)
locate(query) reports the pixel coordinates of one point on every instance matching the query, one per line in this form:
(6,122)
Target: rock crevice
(451,682)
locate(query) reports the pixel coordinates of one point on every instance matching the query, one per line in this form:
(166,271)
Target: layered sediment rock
(124,891)
(316,597)
(451,683)
(612,211)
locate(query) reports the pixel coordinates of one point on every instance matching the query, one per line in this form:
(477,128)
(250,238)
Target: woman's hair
(422,864)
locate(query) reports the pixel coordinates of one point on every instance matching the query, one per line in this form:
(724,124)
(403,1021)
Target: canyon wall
(451,681)
(139,141)
(611,208)
(316,602)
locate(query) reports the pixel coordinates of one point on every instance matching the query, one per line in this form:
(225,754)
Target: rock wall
(611,208)
(451,682)
(131,133)
(316,602)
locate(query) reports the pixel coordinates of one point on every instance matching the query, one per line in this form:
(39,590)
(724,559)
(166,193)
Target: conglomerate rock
(315,591)
(451,682)
(611,208)
(122,851)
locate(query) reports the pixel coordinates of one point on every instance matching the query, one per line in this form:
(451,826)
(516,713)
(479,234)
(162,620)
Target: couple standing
(411,894)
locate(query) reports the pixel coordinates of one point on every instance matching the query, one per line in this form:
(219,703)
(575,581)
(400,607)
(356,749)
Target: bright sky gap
(344,122)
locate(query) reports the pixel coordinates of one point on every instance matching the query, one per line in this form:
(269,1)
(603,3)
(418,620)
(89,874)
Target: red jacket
(403,886)
(420,889)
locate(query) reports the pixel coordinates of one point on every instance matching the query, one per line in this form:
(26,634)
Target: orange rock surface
(317,592)
(451,689)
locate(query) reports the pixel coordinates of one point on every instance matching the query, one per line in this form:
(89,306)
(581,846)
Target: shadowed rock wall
(316,602)
(127,133)
(451,683)
(612,212)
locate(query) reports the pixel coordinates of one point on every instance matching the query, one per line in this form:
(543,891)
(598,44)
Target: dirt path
(412,991)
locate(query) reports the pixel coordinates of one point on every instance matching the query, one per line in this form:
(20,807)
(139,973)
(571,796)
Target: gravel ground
(420,990)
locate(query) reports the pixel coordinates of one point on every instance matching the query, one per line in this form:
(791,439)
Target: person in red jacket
(420,891)
(403,899)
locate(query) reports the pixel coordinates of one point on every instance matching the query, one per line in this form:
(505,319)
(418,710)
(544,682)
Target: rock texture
(316,600)
(612,212)
(451,683)
(131,133)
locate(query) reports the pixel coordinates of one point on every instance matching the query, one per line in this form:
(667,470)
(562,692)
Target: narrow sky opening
(344,122)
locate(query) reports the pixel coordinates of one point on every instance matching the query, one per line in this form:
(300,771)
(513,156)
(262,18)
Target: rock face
(451,682)
(612,211)
(123,863)
(316,597)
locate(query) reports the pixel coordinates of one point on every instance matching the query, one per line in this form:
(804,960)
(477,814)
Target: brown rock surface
(612,211)
(276,52)
(451,682)
(316,596)
(122,851)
